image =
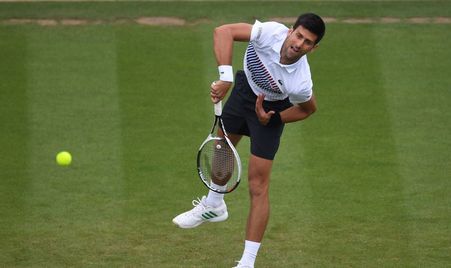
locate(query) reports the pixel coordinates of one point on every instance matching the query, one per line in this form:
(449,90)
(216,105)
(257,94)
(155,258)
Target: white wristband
(225,73)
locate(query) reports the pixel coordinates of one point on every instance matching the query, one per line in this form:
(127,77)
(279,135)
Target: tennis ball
(63,158)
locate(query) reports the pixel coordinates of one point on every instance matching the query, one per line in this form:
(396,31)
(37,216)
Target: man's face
(299,42)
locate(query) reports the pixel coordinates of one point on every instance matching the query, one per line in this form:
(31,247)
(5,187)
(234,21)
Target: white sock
(214,199)
(250,253)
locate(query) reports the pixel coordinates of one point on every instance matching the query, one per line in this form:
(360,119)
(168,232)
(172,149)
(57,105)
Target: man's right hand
(218,90)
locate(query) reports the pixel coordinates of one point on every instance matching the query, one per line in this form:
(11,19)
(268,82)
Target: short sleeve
(263,32)
(256,31)
(303,95)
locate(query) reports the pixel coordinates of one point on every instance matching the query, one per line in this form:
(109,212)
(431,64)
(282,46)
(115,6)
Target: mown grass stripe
(14,143)
(73,105)
(418,102)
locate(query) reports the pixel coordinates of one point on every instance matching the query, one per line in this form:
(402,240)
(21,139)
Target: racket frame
(212,136)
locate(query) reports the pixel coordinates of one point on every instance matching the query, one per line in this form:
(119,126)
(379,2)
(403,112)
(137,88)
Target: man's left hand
(262,115)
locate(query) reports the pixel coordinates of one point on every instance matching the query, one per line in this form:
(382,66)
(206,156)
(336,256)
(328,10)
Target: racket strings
(218,163)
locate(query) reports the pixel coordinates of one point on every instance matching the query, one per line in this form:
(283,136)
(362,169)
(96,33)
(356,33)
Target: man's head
(313,23)
(302,38)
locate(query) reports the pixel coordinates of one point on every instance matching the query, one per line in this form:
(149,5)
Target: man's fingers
(214,94)
(219,89)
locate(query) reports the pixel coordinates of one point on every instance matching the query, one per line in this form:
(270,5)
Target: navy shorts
(239,117)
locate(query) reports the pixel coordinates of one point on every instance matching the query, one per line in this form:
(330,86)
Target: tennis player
(275,88)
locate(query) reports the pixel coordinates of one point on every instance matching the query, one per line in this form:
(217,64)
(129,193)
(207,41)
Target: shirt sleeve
(256,31)
(303,95)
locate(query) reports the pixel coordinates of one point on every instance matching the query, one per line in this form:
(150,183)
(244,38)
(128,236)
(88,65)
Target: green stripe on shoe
(209,215)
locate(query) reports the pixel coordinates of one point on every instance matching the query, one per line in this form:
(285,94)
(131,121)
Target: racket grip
(218,108)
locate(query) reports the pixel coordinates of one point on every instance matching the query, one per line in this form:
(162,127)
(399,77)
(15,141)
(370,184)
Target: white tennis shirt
(264,71)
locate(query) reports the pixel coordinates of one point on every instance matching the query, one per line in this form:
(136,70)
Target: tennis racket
(218,162)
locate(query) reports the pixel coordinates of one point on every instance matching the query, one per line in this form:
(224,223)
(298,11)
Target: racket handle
(218,108)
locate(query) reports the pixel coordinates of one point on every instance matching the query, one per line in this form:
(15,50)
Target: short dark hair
(313,23)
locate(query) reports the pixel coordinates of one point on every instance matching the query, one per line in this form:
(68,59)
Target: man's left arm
(299,111)
(295,113)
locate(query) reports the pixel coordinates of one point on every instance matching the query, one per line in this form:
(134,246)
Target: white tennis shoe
(201,213)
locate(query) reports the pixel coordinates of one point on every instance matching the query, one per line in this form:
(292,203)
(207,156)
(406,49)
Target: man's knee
(259,174)
(258,186)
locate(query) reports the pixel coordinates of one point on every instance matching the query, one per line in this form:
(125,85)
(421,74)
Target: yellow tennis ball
(63,158)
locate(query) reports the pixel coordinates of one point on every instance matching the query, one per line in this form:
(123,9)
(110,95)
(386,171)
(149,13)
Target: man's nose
(300,43)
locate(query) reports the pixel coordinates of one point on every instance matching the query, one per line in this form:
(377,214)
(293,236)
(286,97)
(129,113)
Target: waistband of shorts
(240,76)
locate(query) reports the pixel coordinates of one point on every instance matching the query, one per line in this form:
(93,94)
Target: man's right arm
(223,38)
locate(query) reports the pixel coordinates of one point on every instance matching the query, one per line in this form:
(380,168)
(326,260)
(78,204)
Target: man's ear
(315,47)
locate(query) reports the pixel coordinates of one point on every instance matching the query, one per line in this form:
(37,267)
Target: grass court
(364,182)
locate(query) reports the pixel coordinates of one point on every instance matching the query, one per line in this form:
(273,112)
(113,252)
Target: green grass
(223,10)
(362,183)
